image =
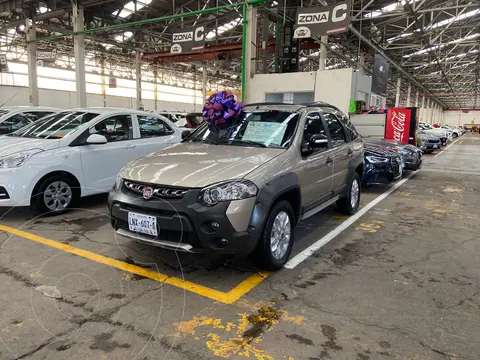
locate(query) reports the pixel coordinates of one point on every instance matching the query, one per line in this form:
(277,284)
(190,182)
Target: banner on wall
(187,39)
(324,20)
(112,82)
(380,75)
(401,125)
(3,63)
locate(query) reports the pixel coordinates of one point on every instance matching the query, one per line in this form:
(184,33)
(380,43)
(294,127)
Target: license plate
(141,223)
(435,146)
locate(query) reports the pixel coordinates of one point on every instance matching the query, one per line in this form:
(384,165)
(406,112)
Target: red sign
(398,125)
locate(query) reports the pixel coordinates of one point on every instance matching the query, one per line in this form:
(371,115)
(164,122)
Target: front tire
(53,195)
(351,202)
(276,242)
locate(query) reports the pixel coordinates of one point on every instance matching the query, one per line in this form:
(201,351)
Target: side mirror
(96,139)
(185,134)
(318,141)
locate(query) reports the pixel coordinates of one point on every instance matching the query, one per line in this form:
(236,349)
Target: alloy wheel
(354,193)
(280,235)
(57,196)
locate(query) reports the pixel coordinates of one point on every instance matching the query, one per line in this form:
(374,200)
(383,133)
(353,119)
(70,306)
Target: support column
(323,53)
(138,77)
(204,84)
(397,96)
(416,99)
(409,93)
(79,48)
(155,87)
(249,49)
(361,63)
(32,63)
(422,110)
(104,84)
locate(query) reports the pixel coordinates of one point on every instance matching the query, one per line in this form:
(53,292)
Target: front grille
(433,141)
(185,237)
(159,191)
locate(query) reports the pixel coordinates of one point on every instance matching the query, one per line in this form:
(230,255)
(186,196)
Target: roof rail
(270,103)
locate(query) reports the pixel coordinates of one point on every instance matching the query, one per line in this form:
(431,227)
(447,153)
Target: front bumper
(186,225)
(413,162)
(15,188)
(382,174)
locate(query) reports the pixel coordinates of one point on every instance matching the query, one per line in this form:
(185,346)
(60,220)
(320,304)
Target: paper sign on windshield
(269,133)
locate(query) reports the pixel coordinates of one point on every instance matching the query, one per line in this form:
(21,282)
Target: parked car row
(241,189)
(430,138)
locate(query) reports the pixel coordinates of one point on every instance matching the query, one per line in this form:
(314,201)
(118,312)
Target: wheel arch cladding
(359,170)
(284,187)
(76,183)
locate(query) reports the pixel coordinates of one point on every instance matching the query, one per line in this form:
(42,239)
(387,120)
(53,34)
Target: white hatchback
(51,163)
(13,118)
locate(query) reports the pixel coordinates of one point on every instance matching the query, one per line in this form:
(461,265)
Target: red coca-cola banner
(400,125)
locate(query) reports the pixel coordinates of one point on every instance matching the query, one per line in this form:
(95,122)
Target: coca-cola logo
(398,123)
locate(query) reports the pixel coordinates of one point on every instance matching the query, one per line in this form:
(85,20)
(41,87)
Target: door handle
(130,146)
(329,160)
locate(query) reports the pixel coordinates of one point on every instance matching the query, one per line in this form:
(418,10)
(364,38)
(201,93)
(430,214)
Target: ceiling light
(42,9)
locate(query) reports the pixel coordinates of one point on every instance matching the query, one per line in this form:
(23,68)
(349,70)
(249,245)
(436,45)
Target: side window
(313,126)
(115,128)
(350,130)
(335,128)
(151,126)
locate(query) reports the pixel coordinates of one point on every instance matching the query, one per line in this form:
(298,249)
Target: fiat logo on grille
(147,193)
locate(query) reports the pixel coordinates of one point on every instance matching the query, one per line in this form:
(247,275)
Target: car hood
(197,164)
(14,144)
(378,150)
(392,144)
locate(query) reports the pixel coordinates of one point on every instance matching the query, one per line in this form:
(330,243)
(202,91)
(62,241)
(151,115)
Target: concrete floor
(403,282)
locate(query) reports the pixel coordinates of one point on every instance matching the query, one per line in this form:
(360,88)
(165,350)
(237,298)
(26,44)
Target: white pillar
(323,53)
(204,84)
(361,63)
(138,77)
(409,92)
(422,110)
(416,99)
(251,50)
(397,97)
(32,63)
(155,88)
(79,48)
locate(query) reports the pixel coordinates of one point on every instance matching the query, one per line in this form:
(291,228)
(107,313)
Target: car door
(341,150)
(155,134)
(316,165)
(102,162)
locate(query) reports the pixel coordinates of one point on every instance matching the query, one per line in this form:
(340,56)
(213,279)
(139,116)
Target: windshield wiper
(256,143)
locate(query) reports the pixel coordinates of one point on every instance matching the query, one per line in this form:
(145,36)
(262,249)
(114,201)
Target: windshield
(263,128)
(56,126)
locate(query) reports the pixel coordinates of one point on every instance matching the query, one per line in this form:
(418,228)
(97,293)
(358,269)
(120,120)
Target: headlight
(118,183)
(227,191)
(377,159)
(17,159)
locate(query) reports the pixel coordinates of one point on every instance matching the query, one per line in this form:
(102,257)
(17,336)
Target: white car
(13,118)
(444,134)
(54,161)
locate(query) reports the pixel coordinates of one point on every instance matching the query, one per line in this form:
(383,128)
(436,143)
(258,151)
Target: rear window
(56,126)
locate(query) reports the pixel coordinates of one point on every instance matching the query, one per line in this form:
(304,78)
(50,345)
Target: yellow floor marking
(224,297)
(373,227)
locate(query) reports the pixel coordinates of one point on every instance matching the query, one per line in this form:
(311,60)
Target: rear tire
(54,195)
(351,202)
(276,242)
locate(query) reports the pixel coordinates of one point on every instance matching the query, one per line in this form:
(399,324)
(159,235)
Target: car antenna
(2,105)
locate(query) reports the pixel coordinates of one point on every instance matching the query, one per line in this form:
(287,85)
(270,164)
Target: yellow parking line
(224,297)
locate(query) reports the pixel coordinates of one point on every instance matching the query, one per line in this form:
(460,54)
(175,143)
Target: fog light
(223,242)
(215,225)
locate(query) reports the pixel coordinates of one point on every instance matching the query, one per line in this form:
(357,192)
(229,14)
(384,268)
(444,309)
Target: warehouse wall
(456,117)
(67,99)
(331,86)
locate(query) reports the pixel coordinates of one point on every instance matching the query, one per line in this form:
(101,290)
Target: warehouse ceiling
(434,44)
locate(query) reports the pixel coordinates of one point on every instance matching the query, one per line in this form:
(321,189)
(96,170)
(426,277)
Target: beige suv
(244,188)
